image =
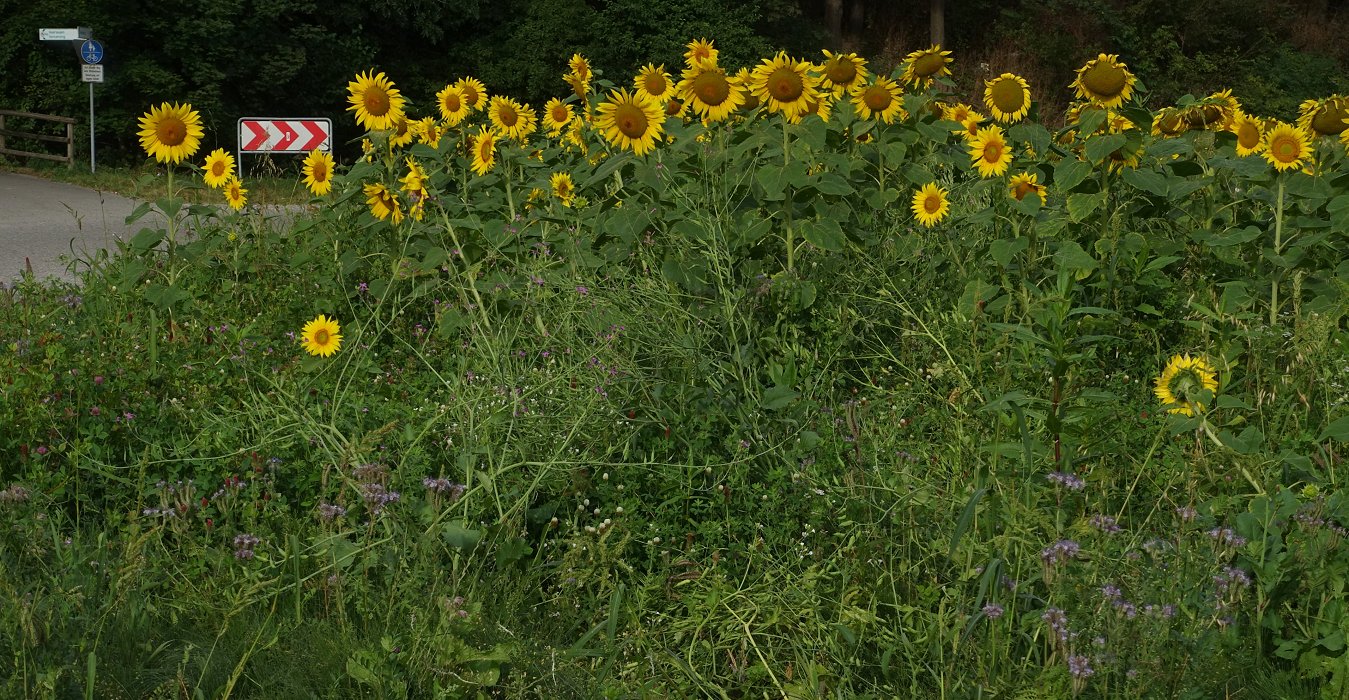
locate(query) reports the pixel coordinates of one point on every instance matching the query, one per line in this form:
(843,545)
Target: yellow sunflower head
(580,66)
(1325,117)
(383,202)
(653,83)
(171,133)
(484,151)
(400,133)
(318,172)
(1105,81)
(699,51)
(556,116)
(924,65)
(453,106)
(879,100)
(511,119)
(427,131)
(321,336)
(989,152)
(473,92)
(376,102)
(1286,146)
(841,72)
(1169,122)
(709,92)
(1249,132)
(1026,183)
(1213,112)
(785,85)
(235,193)
(630,121)
(930,205)
(1007,97)
(958,113)
(1185,384)
(218,168)
(563,188)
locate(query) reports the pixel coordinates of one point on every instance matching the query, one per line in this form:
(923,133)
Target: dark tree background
(233,58)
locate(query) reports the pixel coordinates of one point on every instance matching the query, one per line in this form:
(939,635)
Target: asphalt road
(41,221)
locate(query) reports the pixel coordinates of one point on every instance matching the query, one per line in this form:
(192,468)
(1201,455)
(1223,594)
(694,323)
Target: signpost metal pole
(91,128)
(92,53)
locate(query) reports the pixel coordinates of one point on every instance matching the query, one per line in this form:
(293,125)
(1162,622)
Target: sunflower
(630,121)
(318,172)
(510,119)
(879,100)
(1169,122)
(822,108)
(235,193)
(1325,117)
(383,202)
(556,116)
(706,89)
(579,86)
(484,151)
(989,152)
(1286,146)
(675,108)
(1250,136)
(1185,383)
(321,336)
(171,132)
(218,168)
(1025,183)
(841,72)
(473,92)
(959,112)
(923,65)
(375,100)
(580,66)
(1213,112)
(653,83)
(453,106)
(699,50)
(1104,81)
(563,188)
(785,85)
(414,186)
(1007,97)
(427,131)
(401,133)
(740,83)
(930,205)
(971,127)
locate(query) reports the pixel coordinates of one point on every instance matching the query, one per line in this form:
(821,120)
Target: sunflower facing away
(1326,117)
(879,100)
(923,65)
(1007,97)
(1104,81)
(1169,122)
(1250,137)
(453,106)
(699,50)
(511,119)
(989,152)
(1025,183)
(171,132)
(383,202)
(930,205)
(321,336)
(377,103)
(1185,384)
(841,72)
(785,85)
(484,151)
(235,193)
(708,92)
(563,188)
(1286,146)
(653,83)
(318,172)
(556,116)
(218,168)
(473,92)
(414,187)
(630,121)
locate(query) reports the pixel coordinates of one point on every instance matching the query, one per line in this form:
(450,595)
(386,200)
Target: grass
(269,186)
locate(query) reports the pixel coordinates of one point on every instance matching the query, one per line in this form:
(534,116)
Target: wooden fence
(68,139)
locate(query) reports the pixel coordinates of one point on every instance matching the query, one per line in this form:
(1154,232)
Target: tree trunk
(938,21)
(833,17)
(856,18)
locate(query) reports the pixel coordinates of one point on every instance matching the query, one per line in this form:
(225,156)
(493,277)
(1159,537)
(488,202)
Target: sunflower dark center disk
(932,204)
(785,85)
(321,337)
(711,88)
(376,101)
(1248,135)
(927,65)
(1329,119)
(1008,96)
(1104,80)
(171,131)
(877,98)
(992,152)
(841,72)
(508,116)
(631,121)
(655,84)
(452,103)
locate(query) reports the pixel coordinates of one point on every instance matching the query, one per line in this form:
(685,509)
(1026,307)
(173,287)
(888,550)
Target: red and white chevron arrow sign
(257,135)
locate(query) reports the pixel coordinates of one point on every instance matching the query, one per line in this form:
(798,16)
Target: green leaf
(1081,206)
(778,397)
(146,239)
(917,174)
(1003,251)
(1071,256)
(824,233)
(1146,180)
(1070,173)
(1338,430)
(833,184)
(1100,147)
(458,536)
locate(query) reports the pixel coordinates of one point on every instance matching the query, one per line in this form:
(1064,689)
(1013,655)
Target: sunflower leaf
(1070,173)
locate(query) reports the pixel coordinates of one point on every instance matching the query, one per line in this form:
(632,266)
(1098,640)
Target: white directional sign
(71,34)
(91,74)
(258,135)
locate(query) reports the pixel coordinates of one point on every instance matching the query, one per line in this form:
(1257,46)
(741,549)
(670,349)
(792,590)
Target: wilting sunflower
(1185,383)
(784,84)
(1007,97)
(383,202)
(563,188)
(511,119)
(453,106)
(1325,117)
(841,72)
(556,116)
(879,100)
(630,121)
(321,336)
(1286,146)
(484,151)
(706,89)
(1104,81)
(699,50)
(377,103)
(235,193)
(923,65)
(1025,183)
(171,132)
(989,152)
(1250,135)
(318,172)
(930,205)
(653,83)
(1169,122)
(218,169)
(473,92)
(1213,112)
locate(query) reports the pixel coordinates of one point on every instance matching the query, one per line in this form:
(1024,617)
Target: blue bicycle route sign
(91,51)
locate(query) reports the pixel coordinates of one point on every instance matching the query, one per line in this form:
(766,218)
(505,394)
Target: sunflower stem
(1278,248)
(786,159)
